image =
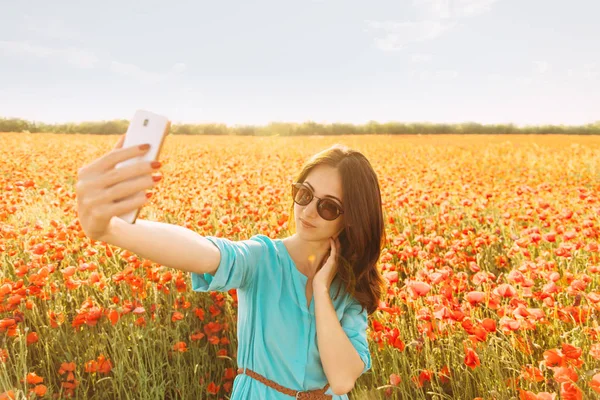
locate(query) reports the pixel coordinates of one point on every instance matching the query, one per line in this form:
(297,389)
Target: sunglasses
(327,208)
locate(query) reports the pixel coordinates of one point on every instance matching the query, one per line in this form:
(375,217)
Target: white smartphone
(144,127)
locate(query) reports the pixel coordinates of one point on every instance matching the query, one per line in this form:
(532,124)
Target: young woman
(303,300)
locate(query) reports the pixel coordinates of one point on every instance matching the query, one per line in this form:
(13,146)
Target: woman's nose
(311,208)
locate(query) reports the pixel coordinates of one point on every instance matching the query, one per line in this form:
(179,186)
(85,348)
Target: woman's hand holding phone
(104,191)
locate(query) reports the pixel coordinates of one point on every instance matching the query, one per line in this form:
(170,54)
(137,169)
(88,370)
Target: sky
(526,62)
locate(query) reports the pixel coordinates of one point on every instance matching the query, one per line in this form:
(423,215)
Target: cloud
(454,9)
(143,76)
(540,74)
(494,77)
(135,72)
(445,74)
(436,75)
(474,7)
(592,70)
(179,67)
(25,47)
(49,27)
(440,17)
(80,58)
(524,80)
(418,58)
(396,35)
(541,67)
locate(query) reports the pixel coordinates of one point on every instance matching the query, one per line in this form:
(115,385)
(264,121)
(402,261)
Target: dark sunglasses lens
(328,210)
(302,195)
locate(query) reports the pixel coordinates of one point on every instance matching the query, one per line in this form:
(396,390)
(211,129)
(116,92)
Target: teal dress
(277,334)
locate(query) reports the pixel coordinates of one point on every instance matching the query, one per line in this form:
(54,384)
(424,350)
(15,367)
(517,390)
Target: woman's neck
(308,256)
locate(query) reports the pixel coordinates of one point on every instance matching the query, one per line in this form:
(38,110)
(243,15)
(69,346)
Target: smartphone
(144,127)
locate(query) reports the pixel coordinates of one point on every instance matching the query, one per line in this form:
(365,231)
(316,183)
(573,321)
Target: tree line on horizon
(297,129)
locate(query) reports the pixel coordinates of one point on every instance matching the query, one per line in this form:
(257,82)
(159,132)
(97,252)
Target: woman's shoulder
(269,245)
(262,239)
(258,246)
(265,240)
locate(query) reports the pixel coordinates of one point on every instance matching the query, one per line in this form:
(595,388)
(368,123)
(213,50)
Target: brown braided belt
(317,394)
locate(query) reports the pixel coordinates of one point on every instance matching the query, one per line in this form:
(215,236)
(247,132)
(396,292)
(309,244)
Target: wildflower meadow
(491,262)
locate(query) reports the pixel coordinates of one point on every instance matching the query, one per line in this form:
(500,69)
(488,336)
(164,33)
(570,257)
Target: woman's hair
(363,236)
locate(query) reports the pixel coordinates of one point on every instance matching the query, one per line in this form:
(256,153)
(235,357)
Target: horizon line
(597,122)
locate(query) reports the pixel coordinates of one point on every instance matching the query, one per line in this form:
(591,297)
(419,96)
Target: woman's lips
(306,224)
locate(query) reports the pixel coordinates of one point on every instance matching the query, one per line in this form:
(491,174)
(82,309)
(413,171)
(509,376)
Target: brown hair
(363,236)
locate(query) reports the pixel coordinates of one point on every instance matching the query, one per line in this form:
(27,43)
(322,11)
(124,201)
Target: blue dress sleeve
(237,268)
(354,323)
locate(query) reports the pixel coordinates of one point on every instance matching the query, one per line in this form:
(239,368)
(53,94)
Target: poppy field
(492,267)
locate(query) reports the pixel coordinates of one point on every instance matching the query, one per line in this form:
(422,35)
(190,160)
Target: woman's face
(324,181)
